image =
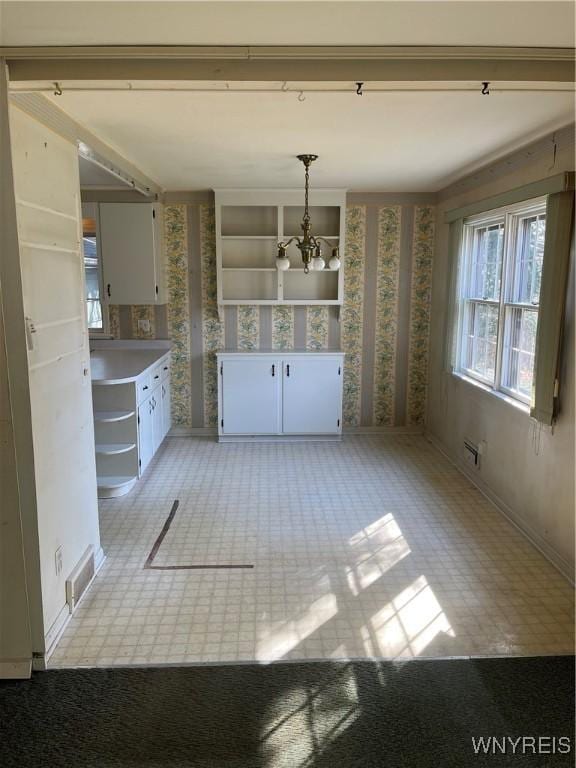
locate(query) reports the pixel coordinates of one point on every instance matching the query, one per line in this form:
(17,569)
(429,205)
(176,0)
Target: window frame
(103,332)
(510,216)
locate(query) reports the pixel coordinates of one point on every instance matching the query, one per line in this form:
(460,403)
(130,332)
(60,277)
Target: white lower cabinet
(312,395)
(165,407)
(250,395)
(262,393)
(145,435)
(131,419)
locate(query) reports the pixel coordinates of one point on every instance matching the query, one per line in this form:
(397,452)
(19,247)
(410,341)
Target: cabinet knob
(145,386)
(108,290)
(157,376)
(273,370)
(288,370)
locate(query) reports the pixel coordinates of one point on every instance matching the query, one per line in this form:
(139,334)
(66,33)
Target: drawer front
(144,387)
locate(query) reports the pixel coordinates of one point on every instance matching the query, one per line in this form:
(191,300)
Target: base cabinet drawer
(263,394)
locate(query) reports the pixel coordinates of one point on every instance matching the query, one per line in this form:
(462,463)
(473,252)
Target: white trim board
(561,565)
(15,669)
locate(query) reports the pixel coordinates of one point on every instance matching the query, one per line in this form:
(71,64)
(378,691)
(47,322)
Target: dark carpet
(298,715)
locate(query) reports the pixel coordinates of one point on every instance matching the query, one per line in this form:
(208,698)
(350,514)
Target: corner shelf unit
(249,225)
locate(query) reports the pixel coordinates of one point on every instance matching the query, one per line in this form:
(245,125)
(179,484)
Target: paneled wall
(383,325)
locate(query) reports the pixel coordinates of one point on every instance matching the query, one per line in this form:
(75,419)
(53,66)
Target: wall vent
(80,578)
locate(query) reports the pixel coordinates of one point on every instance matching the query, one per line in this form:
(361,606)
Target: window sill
(501,396)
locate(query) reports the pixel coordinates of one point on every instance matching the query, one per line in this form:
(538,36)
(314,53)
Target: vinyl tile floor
(373,547)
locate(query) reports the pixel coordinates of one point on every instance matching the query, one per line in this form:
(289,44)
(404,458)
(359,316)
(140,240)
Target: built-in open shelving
(111,449)
(112,416)
(249,225)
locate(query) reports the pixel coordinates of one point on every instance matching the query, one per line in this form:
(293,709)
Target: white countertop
(120,366)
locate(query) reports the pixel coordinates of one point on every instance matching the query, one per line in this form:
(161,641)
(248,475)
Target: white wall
(529,470)
(48,214)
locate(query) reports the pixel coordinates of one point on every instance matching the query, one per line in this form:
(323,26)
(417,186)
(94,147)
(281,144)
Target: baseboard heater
(80,578)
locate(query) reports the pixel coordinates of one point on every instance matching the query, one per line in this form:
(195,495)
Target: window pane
(92,273)
(481,339)
(485,263)
(529,256)
(519,346)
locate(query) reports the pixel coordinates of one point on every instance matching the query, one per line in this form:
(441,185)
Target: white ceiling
(461,22)
(400,142)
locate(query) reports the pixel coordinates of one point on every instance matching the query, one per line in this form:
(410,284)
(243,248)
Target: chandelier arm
(286,243)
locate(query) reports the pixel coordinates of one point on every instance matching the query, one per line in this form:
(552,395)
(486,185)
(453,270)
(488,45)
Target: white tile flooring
(373,547)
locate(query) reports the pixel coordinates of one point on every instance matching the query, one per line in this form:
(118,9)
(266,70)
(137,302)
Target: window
(499,292)
(95,311)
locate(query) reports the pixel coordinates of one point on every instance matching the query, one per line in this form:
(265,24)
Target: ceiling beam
(291,63)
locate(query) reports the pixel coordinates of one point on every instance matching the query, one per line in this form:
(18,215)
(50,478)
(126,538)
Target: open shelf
(239,220)
(314,286)
(111,449)
(112,416)
(249,225)
(110,486)
(249,284)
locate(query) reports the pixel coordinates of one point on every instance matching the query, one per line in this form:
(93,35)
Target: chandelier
(309,245)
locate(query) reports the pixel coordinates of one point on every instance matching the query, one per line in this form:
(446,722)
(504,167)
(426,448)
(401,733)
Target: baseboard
(15,669)
(213,432)
(383,431)
(193,432)
(561,565)
(40,660)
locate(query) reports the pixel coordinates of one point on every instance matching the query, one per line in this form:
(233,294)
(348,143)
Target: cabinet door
(250,390)
(166,412)
(312,395)
(145,434)
(157,418)
(128,245)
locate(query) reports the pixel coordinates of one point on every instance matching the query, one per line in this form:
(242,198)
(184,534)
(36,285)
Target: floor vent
(80,578)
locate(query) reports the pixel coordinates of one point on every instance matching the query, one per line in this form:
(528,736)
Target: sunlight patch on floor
(407,625)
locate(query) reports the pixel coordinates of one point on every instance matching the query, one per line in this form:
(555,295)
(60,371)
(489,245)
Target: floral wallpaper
(212,327)
(385,380)
(283,327)
(422,255)
(248,337)
(352,318)
(317,327)
(386,327)
(176,236)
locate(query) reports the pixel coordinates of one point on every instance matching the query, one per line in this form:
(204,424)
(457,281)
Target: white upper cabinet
(249,226)
(132,253)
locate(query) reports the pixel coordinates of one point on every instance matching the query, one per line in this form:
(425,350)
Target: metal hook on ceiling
(485,90)
(301,96)
(359,88)
(57,89)
(284,86)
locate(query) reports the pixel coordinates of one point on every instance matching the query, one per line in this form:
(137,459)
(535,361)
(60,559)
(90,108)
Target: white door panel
(311,395)
(145,434)
(49,228)
(250,396)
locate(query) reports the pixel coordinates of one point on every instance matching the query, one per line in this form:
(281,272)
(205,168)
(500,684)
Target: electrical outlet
(58,561)
(144,325)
